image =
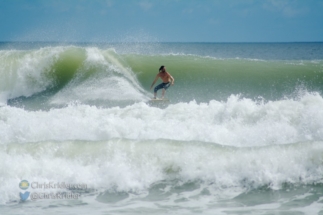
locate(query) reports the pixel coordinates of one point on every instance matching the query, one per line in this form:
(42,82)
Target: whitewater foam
(136,166)
(25,73)
(237,122)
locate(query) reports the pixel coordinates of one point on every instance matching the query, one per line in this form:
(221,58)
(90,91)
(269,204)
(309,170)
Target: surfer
(167,81)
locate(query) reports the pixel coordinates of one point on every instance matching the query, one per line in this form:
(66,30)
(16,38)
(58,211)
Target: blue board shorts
(162,85)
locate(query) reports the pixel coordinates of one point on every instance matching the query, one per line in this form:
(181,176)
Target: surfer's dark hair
(162,67)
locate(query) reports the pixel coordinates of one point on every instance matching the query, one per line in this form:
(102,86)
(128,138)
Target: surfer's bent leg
(166,85)
(158,87)
(163,86)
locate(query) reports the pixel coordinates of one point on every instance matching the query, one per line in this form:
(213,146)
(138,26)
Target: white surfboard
(159,100)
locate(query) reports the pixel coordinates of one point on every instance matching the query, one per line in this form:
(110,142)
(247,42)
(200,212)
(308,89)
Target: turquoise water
(241,134)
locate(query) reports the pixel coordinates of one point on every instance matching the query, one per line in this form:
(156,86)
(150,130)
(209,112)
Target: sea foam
(237,122)
(137,167)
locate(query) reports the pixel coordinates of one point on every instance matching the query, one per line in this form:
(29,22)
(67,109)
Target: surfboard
(159,100)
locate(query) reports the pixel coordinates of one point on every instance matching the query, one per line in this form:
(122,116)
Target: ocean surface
(242,132)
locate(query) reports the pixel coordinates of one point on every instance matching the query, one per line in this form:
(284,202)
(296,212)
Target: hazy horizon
(162,21)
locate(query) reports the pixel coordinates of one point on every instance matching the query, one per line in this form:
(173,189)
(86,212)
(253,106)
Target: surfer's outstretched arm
(154,81)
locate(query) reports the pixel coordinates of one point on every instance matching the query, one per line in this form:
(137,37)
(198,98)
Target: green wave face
(64,74)
(25,73)
(204,79)
(59,75)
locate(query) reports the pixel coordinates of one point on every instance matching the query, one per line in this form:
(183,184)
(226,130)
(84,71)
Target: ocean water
(242,132)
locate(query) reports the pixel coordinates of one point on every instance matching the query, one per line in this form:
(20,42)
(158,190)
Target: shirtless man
(167,81)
